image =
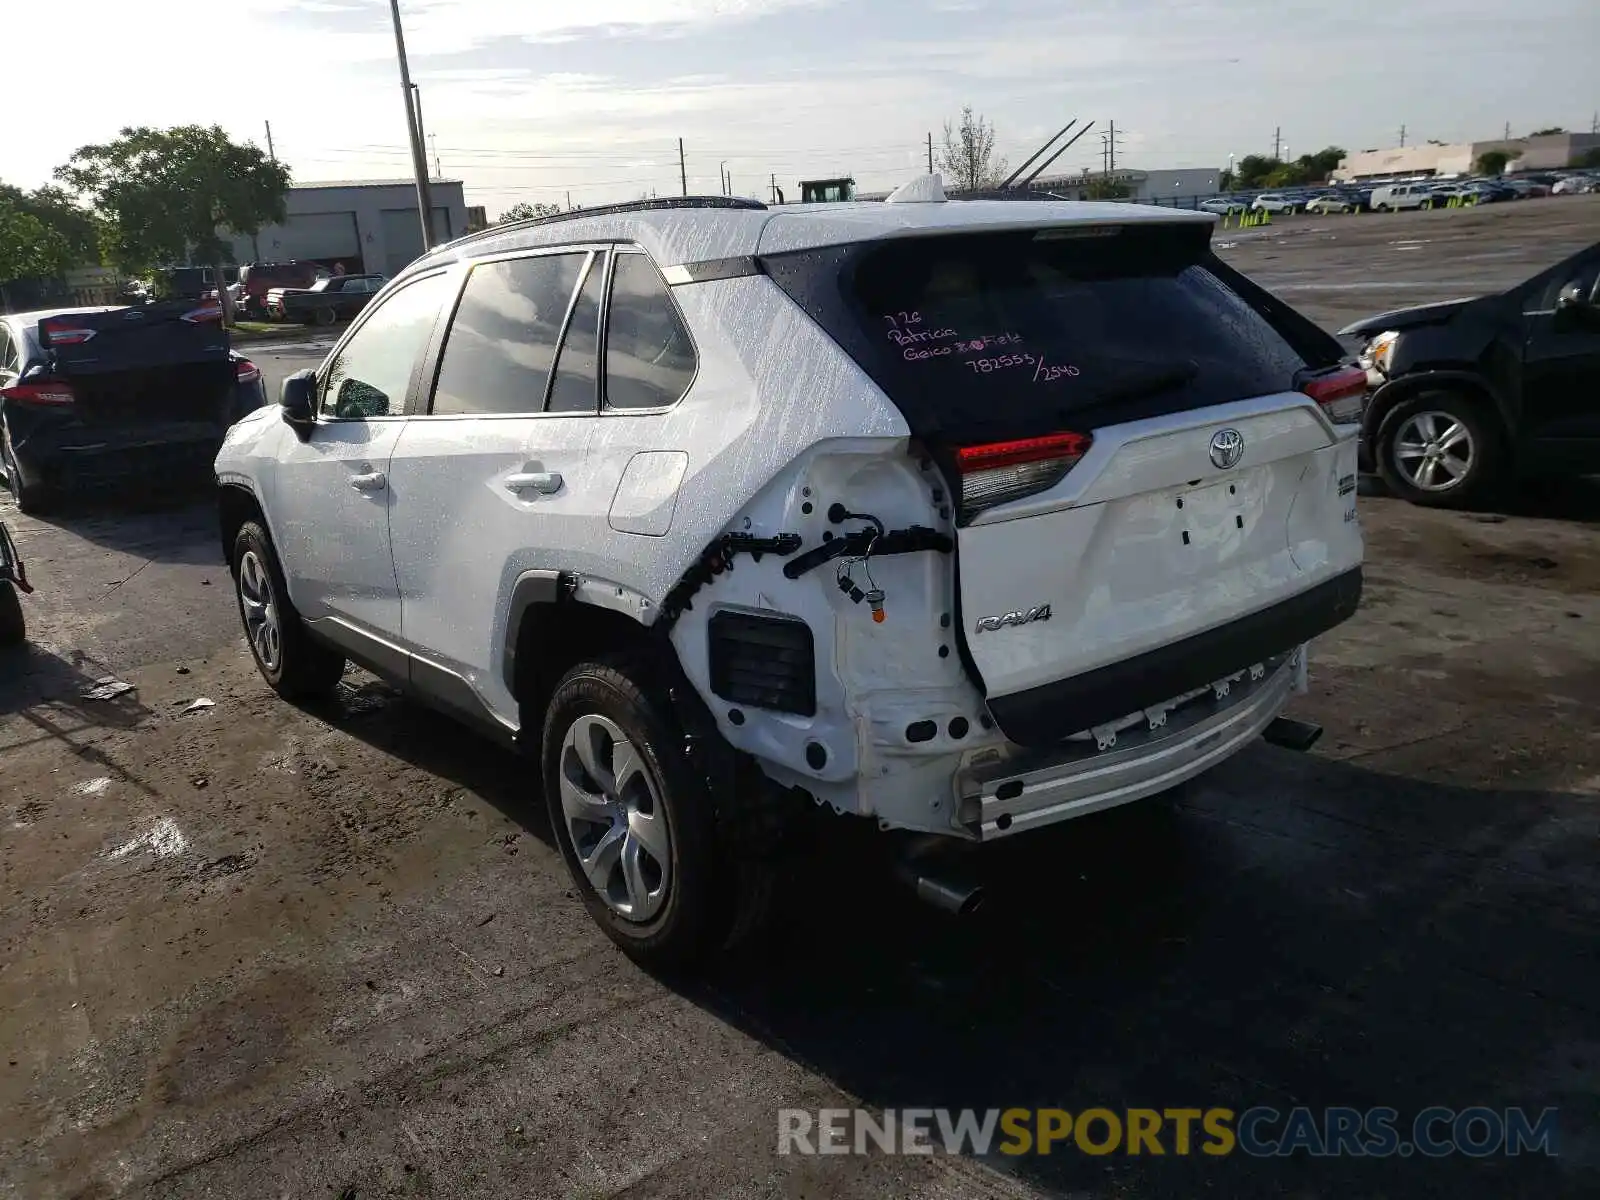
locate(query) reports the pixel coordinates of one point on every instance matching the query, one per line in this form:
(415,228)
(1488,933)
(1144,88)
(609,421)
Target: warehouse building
(362,225)
(1548,153)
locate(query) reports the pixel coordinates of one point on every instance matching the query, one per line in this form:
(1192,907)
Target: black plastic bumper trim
(1046,714)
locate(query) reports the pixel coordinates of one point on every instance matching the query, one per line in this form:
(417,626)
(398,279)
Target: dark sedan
(336,298)
(129,397)
(1468,392)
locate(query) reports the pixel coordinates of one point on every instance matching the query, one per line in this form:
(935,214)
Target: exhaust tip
(962,900)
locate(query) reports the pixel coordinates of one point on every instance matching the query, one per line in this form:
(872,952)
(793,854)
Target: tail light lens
(1340,393)
(52,332)
(206,312)
(246,371)
(998,472)
(43,393)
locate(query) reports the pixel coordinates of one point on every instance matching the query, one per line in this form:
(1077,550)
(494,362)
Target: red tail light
(206,312)
(1340,393)
(50,395)
(63,335)
(999,472)
(247,371)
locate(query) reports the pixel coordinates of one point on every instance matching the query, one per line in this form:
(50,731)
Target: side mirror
(1572,296)
(298,399)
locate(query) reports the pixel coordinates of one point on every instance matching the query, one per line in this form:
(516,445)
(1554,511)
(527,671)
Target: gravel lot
(250,950)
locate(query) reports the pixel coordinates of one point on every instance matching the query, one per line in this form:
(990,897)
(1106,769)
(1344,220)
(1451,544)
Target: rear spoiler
(117,339)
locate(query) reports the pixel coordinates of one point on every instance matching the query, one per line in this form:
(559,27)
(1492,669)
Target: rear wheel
(1440,450)
(634,820)
(13,625)
(323,316)
(30,498)
(293,663)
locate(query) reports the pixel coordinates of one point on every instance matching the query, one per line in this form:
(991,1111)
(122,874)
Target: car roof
(686,234)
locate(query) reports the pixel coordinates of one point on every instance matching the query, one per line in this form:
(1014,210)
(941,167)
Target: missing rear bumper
(1035,788)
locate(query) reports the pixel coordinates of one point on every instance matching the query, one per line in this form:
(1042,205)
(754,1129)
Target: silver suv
(961,518)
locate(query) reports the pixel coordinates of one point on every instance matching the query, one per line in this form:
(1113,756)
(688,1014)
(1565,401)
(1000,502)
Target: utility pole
(722,176)
(569,201)
(1508,131)
(773,184)
(270,153)
(433,138)
(930,152)
(1594,123)
(1402,137)
(730,183)
(1112,143)
(683,171)
(419,157)
(1277,143)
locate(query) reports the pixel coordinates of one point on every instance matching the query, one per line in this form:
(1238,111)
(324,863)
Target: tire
(13,625)
(678,902)
(323,316)
(30,497)
(1452,430)
(294,664)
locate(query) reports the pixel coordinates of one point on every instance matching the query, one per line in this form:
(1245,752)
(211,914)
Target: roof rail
(606,210)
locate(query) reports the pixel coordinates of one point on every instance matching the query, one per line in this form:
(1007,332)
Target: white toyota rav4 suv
(963,517)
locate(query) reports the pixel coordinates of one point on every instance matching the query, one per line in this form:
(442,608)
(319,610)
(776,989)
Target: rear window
(1013,333)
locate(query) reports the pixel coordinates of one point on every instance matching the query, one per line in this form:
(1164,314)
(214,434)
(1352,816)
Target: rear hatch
(165,362)
(1126,424)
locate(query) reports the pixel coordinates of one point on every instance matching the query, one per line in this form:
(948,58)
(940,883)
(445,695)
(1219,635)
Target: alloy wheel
(260,607)
(1433,451)
(615,818)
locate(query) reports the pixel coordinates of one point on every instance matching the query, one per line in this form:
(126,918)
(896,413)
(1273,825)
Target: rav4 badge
(990,624)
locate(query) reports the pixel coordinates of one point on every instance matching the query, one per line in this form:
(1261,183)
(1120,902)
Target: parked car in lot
(1276,202)
(333,298)
(980,427)
(13,579)
(1222,205)
(257,279)
(1528,188)
(1331,202)
(115,396)
(1471,391)
(1573,185)
(1392,197)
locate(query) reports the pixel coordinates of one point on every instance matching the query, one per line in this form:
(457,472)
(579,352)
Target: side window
(502,343)
(576,386)
(370,376)
(650,360)
(8,353)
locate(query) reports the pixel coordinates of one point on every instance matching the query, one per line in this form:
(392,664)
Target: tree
(1588,159)
(1491,162)
(1551,132)
(163,195)
(30,249)
(57,211)
(1253,170)
(968,160)
(524,211)
(1107,189)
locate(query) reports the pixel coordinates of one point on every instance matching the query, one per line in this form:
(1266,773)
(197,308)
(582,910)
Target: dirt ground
(250,950)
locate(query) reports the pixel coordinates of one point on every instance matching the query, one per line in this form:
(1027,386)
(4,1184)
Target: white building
(1550,152)
(366,225)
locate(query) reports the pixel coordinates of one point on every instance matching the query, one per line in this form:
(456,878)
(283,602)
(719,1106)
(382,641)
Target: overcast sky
(528,99)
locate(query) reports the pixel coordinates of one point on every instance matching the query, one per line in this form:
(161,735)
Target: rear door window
(650,360)
(502,343)
(1016,333)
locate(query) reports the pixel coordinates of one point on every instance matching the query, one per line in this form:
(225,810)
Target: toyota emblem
(1227,448)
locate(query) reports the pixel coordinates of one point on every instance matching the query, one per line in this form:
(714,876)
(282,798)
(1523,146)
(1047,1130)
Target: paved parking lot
(249,950)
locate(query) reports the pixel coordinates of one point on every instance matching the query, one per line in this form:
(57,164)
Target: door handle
(372,481)
(544,482)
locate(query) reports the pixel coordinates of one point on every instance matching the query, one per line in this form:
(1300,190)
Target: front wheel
(1439,450)
(633,819)
(294,664)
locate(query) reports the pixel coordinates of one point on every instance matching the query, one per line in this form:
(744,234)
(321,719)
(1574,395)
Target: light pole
(419,156)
